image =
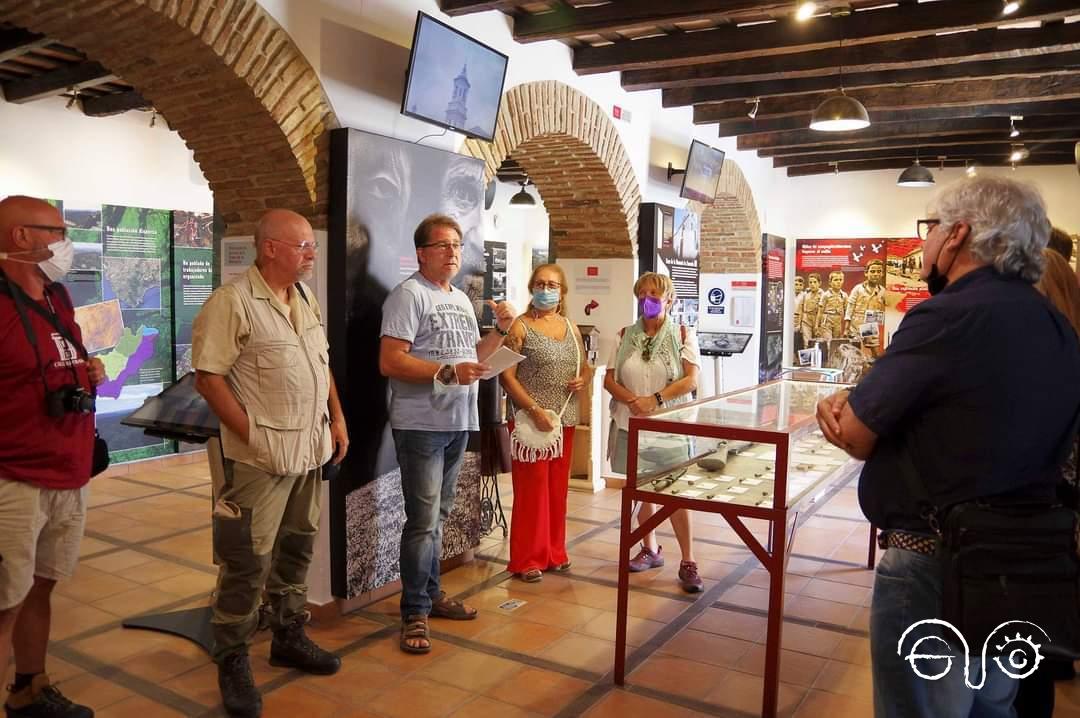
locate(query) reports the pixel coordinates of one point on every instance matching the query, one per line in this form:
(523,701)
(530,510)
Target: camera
(69,399)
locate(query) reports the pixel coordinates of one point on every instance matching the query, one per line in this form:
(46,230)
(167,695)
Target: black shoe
(238,692)
(42,700)
(291,648)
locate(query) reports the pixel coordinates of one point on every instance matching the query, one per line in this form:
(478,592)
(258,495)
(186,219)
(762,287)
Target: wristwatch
(446,375)
(659,399)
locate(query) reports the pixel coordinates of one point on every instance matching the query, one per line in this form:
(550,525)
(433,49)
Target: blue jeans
(429,461)
(907,589)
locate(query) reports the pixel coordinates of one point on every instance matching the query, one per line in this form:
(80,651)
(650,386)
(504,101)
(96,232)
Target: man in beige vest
(261,359)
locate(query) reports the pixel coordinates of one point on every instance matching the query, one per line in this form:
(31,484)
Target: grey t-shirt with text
(441,327)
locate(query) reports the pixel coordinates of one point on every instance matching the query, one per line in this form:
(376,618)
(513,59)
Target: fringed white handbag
(528,443)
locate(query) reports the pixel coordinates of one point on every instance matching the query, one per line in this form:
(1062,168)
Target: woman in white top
(654,365)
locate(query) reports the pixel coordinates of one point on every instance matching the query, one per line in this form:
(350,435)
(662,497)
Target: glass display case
(752,454)
(760,447)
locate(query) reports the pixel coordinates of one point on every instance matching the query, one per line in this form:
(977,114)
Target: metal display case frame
(782,519)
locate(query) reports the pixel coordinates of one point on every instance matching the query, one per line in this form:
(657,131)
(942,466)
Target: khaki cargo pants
(264,537)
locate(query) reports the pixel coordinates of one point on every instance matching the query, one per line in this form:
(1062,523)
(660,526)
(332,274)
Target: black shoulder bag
(1007,560)
(100,460)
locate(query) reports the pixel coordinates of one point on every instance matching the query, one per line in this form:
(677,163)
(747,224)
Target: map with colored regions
(131,352)
(102,325)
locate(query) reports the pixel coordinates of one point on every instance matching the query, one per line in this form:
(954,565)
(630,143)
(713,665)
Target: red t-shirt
(51,452)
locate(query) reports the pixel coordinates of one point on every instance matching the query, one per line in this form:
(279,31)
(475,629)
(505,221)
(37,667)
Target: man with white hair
(261,362)
(974,399)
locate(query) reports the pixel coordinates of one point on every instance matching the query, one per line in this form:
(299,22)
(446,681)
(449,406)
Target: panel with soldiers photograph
(839,290)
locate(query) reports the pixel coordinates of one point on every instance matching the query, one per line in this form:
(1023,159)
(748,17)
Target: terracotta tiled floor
(147,548)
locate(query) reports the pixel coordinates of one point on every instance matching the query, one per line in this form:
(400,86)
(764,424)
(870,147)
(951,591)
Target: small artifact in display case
(698,451)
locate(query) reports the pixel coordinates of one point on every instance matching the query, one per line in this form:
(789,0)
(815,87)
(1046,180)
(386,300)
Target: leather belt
(919,543)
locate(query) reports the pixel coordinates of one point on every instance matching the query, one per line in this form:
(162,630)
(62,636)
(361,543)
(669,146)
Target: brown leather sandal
(415,628)
(561,568)
(447,607)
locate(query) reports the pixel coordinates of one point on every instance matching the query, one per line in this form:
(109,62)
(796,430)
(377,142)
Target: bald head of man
(285,247)
(28,226)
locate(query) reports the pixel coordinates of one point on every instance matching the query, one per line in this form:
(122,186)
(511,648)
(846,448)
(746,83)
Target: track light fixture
(1010,7)
(153,118)
(835,167)
(969,168)
(805,10)
(1019,154)
(73,99)
(1013,131)
(754,110)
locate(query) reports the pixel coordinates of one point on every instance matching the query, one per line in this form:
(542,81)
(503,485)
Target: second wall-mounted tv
(454,81)
(702,175)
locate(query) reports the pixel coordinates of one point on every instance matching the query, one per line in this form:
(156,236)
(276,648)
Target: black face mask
(936,281)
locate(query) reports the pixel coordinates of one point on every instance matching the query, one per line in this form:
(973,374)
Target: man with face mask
(46,445)
(866,305)
(261,362)
(977,394)
(431,351)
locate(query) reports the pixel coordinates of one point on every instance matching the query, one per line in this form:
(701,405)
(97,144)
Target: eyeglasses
(923,227)
(61,231)
(443,246)
(302,246)
(547,285)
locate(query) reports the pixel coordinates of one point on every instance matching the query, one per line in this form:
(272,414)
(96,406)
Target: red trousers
(538,522)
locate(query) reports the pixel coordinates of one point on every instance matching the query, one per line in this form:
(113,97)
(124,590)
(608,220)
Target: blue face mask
(545,298)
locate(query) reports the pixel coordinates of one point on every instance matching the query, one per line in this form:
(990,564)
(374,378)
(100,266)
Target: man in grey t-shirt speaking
(431,350)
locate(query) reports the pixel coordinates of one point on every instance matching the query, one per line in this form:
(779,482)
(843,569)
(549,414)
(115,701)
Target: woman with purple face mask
(654,366)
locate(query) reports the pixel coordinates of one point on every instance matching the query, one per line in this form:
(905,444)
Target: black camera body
(69,399)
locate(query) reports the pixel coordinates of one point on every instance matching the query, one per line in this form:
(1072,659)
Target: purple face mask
(650,307)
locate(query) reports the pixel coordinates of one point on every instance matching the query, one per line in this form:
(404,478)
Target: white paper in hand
(500,361)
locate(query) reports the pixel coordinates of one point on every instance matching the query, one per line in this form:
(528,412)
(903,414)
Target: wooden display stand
(773,555)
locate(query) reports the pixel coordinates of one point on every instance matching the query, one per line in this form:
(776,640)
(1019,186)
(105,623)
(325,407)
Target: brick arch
(574,155)
(730,229)
(226,77)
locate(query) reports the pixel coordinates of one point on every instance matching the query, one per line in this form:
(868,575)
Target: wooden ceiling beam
(731,43)
(568,22)
(114,104)
(468,7)
(931,163)
(987,91)
(934,51)
(16,41)
(969,152)
(881,131)
(1030,66)
(54,82)
(746,126)
(1002,135)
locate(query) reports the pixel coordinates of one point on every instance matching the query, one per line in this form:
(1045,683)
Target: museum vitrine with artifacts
(760,447)
(755,454)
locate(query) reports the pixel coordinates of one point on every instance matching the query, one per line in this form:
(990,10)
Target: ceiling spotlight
(1013,131)
(805,11)
(915,176)
(73,99)
(753,110)
(969,168)
(1019,154)
(523,199)
(1011,6)
(153,118)
(835,167)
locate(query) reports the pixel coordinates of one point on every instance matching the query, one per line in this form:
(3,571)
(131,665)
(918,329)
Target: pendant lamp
(840,113)
(915,176)
(523,199)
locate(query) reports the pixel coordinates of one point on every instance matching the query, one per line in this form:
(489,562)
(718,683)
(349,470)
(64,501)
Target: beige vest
(282,379)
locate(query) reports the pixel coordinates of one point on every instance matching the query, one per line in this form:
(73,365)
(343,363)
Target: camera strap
(22,301)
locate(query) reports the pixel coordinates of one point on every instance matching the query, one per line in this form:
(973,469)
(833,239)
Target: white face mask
(56,266)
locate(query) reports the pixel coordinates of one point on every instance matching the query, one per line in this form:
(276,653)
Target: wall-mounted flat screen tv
(702,175)
(454,81)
